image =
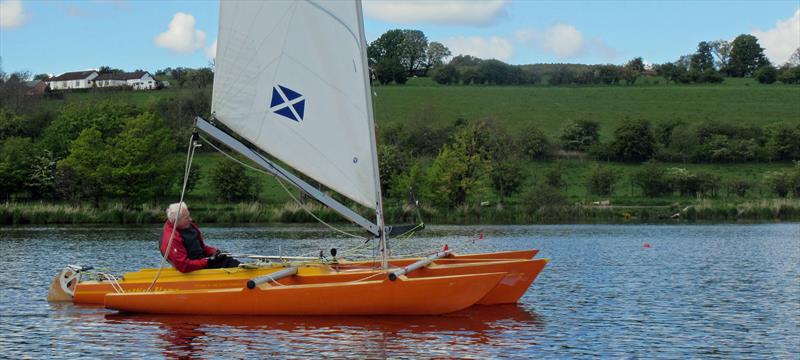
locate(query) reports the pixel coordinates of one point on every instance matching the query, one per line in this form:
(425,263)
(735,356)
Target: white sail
(289,78)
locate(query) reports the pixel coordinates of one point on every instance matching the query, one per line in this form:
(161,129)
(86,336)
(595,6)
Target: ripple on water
(700,291)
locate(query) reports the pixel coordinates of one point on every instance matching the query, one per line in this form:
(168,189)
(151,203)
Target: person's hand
(213,257)
(218,254)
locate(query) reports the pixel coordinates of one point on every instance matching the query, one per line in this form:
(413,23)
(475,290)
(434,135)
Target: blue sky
(59,36)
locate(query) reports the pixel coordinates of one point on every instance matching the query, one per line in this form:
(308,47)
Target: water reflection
(476,328)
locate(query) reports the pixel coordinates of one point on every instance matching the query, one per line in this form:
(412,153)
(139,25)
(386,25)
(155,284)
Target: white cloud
(453,12)
(482,47)
(12,14)
(562,40)
(781,41)
(566,42)
(181,36)
(211,51)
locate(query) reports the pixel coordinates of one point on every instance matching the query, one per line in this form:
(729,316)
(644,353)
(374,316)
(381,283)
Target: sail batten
(292,85)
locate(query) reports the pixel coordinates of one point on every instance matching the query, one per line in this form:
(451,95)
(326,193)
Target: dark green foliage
(652,180)
(16,161)
(230,182)
(766,74)
(107,118)
(141,165)
(702,60)
(533,143)
(393,162)
(180,110)
(600,180)
(579,135)
(553,176)
(446,74)
(390,69)
(778,182)
(746,56)
(461,168)
(542,196)
(634,141)
(789,74)
(739,187)
(663,131)
(507,177)
(409,48)
(783,141)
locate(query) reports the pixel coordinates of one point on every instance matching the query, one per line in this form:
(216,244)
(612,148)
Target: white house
(73,80)
(138,80)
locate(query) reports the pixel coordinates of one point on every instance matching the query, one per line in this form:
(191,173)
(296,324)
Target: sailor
(188,252)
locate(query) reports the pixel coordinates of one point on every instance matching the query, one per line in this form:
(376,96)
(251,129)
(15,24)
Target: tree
(766,74)
(600,180)
(107,118)
(435,55)
(392,163)
(579,135)
(789,74)
(533,143)
(702,60)
(141,167)
(633,69)
(783,142)
(88,160)
(794,60)
(721,49)
(231,183)
(746,56)
(634,141)
(460,169)
(445,74)
(390,69)
(651,178)
(41,77)
(507,177)
(408,47)
(16,161)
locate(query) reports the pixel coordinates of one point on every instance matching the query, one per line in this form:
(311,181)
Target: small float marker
(647,245)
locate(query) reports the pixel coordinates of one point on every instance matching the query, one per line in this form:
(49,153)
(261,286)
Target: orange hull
(93,292)
(418,296)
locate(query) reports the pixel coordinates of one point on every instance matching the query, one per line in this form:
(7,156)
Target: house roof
(122,76)
(75,75)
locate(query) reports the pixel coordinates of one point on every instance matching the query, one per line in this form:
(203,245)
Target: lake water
(697,291)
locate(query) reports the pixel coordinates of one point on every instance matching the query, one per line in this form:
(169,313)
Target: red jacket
(178,255)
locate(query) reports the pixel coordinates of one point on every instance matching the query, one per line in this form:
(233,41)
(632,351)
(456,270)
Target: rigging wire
(189,157)
(287,192)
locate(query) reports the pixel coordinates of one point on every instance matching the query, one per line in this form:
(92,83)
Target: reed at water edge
(13,213)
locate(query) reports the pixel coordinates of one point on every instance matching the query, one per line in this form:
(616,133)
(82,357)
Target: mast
(373,139)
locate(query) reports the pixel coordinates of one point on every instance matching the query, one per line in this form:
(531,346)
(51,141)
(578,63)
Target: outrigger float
(291,81)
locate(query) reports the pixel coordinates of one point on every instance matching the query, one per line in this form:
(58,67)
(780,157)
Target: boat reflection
(191,336)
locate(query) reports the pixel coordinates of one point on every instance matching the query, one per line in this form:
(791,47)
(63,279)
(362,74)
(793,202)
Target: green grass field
(740,101)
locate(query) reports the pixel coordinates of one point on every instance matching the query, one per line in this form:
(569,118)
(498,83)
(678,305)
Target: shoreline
(769,210)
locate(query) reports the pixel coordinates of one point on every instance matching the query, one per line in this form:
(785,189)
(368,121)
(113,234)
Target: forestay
(289,78)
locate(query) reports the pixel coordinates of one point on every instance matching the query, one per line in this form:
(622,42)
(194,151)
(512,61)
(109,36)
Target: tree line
(398,54)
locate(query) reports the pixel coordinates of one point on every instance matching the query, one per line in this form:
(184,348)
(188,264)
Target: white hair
(173,211)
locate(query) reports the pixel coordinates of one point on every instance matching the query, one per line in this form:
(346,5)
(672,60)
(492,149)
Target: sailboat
(292,81)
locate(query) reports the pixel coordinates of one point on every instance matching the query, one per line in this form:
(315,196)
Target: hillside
(741,101)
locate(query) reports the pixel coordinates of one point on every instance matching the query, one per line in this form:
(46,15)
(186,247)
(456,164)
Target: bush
(766,74)
(789,74)
(652,179)
(542,195)
(445,74)
(580,135)
(739,187)
(634,141)
(507,177)
(231,183)
(533,143)
(778,182)
(601,180)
